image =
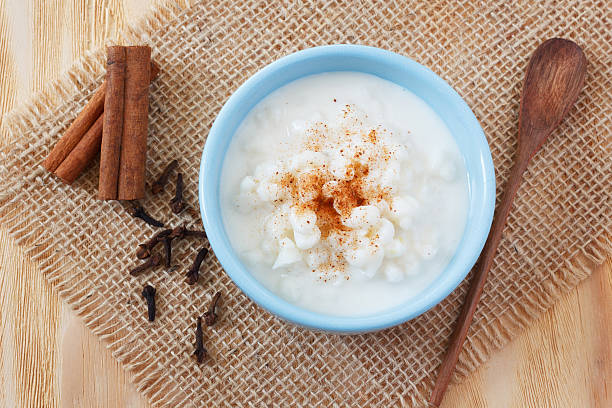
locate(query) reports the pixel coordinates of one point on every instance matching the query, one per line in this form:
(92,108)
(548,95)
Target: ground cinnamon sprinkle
(288,182)
(372,138)
(331,199)
(328,219)
(340,169)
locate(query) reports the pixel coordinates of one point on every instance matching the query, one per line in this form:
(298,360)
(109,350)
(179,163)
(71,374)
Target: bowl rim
(440,288)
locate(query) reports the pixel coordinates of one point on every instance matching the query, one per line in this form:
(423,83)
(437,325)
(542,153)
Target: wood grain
(48,358)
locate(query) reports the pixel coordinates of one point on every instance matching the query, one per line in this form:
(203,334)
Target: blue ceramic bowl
(393,67)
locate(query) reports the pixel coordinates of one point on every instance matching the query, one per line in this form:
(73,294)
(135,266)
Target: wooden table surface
(48,358)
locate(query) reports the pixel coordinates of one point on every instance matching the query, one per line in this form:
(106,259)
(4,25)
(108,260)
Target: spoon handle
(478,280)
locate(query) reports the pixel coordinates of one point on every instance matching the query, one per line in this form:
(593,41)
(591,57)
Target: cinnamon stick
(110,152)
(82,154)
(89,144)
(75,132)
(135,123)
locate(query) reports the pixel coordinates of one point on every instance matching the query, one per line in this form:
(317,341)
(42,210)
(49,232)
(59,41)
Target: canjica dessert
(344,193)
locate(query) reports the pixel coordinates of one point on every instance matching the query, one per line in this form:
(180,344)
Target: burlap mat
(85,246)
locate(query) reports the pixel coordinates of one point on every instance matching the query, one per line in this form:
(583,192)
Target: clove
(166,237)
(178,233)
(148,264)
(177,204)
(137,211)
(168,251)
(200,351)
(193,274)
(194,233)
(148,292)
(210,317)
(159,184)
(144,250)
(183,232)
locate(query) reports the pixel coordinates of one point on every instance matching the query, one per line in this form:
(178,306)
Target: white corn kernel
(364,216)
(287,255)
(394,273)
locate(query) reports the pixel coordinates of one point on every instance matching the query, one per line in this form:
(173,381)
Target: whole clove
(178,233)
(168,251)
(148,264)
(144,250)
(194,233)
(137,211)
(177,204)
(159,184)
(200,352)
(148,292)
(166,238)
(193,274)
(184,232)
(210,317)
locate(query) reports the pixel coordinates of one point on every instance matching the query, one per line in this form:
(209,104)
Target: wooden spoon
(553,80)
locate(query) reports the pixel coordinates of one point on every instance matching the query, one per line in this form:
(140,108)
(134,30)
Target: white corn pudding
(344,193)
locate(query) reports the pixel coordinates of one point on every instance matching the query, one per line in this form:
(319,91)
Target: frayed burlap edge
(519,316)
(142,369)
(147,376)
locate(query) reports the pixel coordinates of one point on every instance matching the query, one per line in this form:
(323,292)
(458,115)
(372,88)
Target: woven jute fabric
(559,228)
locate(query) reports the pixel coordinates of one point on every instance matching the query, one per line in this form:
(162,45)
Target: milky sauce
(344,193)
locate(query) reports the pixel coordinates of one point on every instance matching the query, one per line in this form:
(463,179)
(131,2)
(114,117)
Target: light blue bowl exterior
(403,71)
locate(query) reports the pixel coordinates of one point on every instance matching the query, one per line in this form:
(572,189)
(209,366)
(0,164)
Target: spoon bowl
(553,79)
